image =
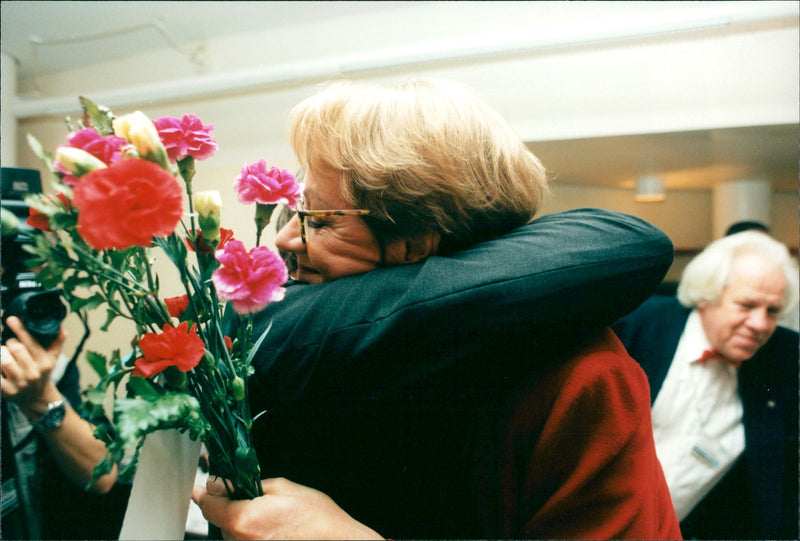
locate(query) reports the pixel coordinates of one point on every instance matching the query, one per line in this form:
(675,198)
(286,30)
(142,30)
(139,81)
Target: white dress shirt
(697,420)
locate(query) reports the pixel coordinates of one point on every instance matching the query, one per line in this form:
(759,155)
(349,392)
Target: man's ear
(412,249)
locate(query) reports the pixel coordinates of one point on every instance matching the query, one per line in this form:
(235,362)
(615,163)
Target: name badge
(9,499)
(710,452)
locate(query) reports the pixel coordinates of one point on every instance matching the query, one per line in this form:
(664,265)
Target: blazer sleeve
(543,288)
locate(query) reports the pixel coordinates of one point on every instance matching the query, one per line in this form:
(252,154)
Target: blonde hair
(707,274)
(421,155)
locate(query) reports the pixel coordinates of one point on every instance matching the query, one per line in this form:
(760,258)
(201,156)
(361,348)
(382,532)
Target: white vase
(162,487)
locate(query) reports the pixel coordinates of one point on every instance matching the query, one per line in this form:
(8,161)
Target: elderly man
(723,380)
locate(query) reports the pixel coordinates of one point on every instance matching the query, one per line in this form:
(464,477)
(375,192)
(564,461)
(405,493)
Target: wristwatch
(53,416)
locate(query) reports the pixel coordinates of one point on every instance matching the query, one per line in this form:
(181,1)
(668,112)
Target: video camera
(41,310)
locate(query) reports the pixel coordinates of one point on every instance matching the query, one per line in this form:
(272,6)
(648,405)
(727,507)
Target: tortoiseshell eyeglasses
(302,213)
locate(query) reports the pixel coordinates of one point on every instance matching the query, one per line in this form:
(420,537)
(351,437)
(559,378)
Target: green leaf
(76,281)
(9,220)
(245,459)
(175,249)
(104,467)
(117,371)
(63,220)
(95,396)
(126,473)
(257,344)
(43,155)
(90,303)
(143,388)
(99,117)
(136,418)
(111,315)
(103,433)
(36,147)
(98,362)
(93,406)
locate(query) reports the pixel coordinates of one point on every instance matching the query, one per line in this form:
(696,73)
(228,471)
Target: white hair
(707,274)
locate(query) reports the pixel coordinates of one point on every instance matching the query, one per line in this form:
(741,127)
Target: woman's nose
(288,238)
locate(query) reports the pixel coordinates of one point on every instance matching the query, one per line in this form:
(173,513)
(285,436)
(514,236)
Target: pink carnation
(268,187)
(186,137)
(250,280)
(106,149)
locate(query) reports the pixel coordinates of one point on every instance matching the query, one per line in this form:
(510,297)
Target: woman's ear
(412,249)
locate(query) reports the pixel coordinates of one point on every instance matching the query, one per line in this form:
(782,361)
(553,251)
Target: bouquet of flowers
(124,186)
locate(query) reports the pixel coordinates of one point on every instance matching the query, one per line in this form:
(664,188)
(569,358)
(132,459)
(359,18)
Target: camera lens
(41,312)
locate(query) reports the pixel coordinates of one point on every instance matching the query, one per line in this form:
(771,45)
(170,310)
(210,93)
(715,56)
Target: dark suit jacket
(758,498)
(372,384)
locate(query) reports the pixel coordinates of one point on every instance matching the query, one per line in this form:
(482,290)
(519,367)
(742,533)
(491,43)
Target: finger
(9,372)
(22,334)
(8,388)
(197,492)
(32,358)
(218,510)
(6,357)
(216,486)
(16,360)
(55,348)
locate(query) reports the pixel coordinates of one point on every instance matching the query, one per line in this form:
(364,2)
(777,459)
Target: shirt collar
(696,341)
(695,337)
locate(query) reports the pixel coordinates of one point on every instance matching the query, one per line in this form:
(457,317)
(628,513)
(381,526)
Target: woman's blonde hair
(421,155)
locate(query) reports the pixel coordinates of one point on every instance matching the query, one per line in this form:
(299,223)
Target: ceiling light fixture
(649,190)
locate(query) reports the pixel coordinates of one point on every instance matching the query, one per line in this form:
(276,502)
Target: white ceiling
(686,160)
(24,23)
(693,160)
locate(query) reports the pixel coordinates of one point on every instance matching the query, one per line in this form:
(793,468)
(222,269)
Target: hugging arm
(546,287)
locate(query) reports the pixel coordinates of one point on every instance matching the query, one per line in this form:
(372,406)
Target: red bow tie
(714,354)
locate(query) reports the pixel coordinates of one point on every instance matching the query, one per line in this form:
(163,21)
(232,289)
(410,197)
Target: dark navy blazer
(371,384)
(758,498)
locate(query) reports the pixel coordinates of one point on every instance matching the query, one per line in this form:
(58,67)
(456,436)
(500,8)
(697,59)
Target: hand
(285,511)
(26,368)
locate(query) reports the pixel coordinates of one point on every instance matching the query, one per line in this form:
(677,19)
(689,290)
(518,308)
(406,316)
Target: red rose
(127,204)
(179,346)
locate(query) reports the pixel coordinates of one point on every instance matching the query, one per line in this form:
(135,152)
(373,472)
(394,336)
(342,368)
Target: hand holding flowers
(121,189)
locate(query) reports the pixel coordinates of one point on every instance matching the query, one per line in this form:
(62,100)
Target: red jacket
(592,472)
